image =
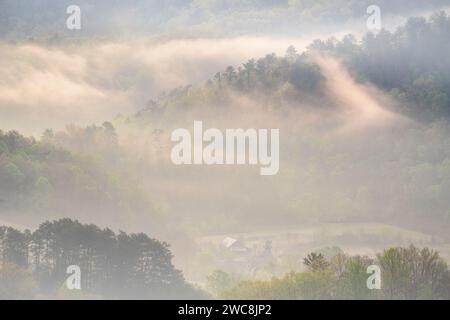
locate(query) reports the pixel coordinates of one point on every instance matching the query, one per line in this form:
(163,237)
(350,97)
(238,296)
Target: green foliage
(44,176)
(272,81)
(352,282)
(312,285)
(307,285)
(219,281)
(412,273)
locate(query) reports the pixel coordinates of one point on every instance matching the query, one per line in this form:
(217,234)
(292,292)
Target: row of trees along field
(113,265)
(406,273)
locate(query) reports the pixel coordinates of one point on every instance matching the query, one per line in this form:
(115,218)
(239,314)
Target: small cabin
(234,245)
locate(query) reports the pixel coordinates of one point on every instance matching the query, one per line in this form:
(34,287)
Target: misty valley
(232,150)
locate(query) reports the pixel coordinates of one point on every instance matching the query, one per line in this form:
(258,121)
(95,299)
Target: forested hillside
(396,96)
(411,64)
(68,174)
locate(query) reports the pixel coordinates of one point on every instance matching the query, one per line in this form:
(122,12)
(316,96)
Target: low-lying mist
(52,86)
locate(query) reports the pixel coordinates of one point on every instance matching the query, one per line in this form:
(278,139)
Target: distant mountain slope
(411,65)
(45,19)
(366,139)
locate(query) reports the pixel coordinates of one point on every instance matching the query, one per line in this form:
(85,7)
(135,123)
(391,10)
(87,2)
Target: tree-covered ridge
(411,64)
(61,175)
(113,265)
(271,81)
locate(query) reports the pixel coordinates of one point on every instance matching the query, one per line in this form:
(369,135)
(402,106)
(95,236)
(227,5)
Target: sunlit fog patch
(359,105)
(87,83)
